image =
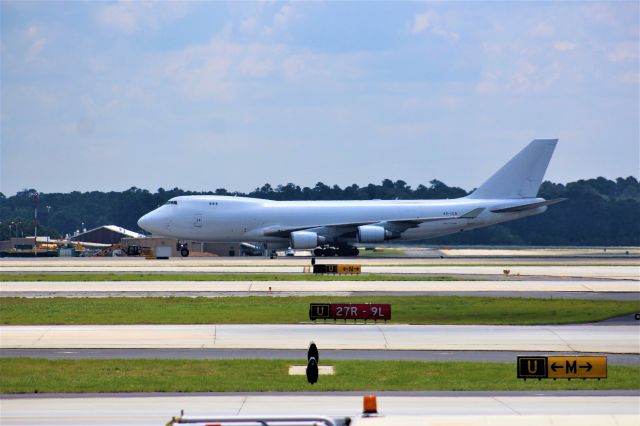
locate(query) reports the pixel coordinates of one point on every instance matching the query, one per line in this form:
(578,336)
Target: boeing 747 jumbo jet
(333,227)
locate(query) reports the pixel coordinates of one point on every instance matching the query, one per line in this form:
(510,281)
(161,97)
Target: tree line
(598,212)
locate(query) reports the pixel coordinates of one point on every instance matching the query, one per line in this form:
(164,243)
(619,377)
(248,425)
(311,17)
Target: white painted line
(301,370)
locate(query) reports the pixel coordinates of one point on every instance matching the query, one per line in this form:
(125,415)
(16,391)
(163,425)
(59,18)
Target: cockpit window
(171,202)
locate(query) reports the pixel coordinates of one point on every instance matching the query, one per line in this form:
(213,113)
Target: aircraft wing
(397,225)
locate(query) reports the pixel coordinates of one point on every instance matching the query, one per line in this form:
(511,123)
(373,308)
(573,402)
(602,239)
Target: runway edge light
(369,405)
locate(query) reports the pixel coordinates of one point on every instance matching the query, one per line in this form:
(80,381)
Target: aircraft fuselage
(237,219)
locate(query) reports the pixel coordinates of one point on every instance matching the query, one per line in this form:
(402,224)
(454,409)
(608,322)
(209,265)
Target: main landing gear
(183,249)
(342,251)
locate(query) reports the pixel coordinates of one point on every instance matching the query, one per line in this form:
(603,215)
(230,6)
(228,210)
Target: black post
(313,357)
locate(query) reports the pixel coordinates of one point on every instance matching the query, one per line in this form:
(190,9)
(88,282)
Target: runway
(631,272)
(445,257)
(616,277)
(460,408)
(557,338)
(608,290)
(301,354)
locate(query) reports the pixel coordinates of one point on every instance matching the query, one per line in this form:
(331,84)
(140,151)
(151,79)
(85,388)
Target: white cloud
(488,84)
(36,41)
(624,52)
(120,16)
(564,45)
(130,16)
(35,49)
(451,102)
(32,31)
(282,18)
(431,21)
(284,15)
(295,66)
(229,70)
(255,66)
(421,22)
(631,77)
(249,24)
(522,76)
(542,29)
(212,70)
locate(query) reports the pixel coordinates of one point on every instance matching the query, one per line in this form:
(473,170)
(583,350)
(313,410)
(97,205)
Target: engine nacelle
(306,240)
(374,234)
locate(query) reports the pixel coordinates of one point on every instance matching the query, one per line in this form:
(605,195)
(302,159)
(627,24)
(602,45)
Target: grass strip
(29,375)
(217,277)
(273,310)
(387,252)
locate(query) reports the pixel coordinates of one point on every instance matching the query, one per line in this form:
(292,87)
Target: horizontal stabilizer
(529,206)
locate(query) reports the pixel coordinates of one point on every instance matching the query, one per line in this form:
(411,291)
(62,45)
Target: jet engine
(374,234)
(306,240)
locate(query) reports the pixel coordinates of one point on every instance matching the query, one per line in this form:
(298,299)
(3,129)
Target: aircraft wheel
(318,252)
(184,252)
(329,252)
(344,251)
(354,251)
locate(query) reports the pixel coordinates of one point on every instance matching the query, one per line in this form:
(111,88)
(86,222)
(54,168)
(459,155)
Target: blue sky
(204,95)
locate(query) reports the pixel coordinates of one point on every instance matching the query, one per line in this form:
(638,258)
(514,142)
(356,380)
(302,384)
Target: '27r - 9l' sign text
(354,311)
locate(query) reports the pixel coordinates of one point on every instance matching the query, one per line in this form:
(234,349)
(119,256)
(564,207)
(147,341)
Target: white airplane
(333,227)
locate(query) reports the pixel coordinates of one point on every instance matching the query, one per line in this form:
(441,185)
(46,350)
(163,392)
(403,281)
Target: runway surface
(631,272)
(519,294)
(455,409)
(316,286)
(577,273)
(570,338)
(448,257)
(301,354)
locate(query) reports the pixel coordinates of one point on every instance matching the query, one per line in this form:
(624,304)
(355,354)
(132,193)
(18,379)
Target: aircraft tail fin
(522,175)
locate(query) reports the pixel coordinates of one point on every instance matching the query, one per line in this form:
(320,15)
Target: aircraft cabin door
(197,220)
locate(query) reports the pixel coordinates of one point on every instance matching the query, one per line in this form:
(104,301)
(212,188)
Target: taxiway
(611,290)
(617,408)
(555,338)
(300,354)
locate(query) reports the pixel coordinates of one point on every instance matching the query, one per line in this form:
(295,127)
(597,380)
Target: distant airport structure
(105,234)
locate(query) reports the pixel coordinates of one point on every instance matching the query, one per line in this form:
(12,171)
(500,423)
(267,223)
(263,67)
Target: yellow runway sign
(326,268)
(577,367)
(349,269)
(562,367)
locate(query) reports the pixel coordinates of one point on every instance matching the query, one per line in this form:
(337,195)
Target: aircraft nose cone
(145,222)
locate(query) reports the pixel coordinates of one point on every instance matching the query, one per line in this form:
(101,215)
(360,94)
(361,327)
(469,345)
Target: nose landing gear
(183,249)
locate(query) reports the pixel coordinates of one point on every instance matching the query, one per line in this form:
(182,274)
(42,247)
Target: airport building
(108,237)
(196,248)
(105,234)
